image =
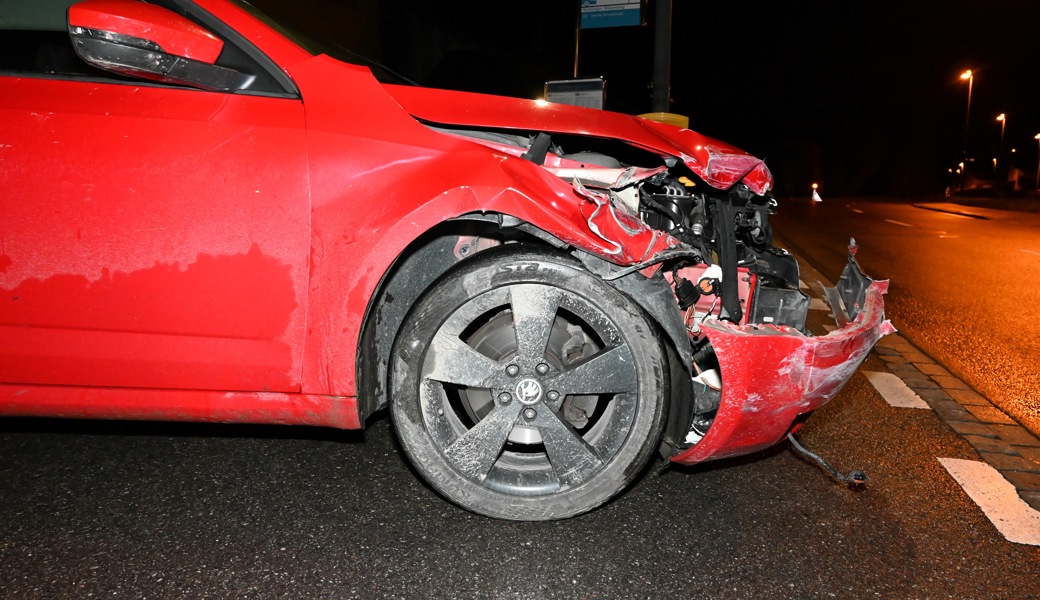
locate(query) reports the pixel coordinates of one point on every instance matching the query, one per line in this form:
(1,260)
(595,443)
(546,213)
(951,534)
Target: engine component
(687,293)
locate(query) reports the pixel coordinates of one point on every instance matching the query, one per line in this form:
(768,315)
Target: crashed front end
(759,381)
(756,370)
(685,217)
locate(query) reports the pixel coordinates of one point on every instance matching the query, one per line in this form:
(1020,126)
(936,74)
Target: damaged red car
(206,217)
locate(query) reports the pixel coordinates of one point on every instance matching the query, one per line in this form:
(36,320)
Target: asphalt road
(963,289)
(187,511)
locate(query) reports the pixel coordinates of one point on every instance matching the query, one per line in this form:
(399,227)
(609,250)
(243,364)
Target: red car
(204,221)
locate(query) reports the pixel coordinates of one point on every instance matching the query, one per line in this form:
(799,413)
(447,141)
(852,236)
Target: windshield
(506,49)
(316,31)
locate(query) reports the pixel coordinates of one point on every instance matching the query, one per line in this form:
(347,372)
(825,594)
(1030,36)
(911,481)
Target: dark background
(862,97)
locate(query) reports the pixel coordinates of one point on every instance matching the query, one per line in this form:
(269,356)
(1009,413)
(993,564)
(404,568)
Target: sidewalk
(979,208)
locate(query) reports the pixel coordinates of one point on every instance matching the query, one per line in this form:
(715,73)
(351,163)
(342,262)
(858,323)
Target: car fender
(368,208)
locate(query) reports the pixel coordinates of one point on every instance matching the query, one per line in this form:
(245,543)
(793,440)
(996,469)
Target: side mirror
(134,38)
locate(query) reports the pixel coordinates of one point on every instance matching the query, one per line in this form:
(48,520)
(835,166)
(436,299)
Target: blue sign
(610,13)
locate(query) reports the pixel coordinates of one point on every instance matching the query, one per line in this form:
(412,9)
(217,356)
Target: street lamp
(1003,123)
(1037,138)
(970,77)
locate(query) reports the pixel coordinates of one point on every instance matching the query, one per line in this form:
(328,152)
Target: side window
(34,41)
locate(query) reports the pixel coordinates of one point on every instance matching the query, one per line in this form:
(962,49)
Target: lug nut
(505,398)
(512,370)
(553,395)
(542,368)
(529,413)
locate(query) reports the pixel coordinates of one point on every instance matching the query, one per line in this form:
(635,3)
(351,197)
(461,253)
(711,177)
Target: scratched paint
(781,374)
(220,322)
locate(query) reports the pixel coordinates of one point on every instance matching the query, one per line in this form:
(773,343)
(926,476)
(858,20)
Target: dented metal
(772,376)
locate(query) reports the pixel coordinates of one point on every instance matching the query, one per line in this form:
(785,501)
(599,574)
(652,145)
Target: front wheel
(524,387)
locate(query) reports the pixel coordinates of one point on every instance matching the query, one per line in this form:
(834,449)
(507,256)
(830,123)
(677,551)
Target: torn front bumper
(771,376)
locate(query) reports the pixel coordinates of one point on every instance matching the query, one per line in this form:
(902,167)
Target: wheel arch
(416,268)
(433,254)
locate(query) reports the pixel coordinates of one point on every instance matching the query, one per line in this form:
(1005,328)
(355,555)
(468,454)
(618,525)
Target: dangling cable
(854,478)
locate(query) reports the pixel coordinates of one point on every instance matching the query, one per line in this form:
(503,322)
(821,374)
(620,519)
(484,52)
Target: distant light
(961,165)
(815,186)
(541,102)
(1000,117)
(966,74)
(1036,137)
(951,170)
(1013,150)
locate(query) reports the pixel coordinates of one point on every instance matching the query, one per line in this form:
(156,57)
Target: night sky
(863,97)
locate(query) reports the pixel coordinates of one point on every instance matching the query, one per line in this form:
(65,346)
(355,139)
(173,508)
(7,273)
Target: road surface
(189,511)
(964,289)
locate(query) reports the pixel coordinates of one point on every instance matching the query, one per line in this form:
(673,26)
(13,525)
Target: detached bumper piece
(773,375)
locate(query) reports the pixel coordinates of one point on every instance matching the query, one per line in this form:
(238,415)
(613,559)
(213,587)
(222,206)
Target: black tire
(542,421)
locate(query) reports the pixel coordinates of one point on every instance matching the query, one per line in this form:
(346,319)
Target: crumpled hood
(717,163)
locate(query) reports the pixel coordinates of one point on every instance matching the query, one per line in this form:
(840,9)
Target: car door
(151,235)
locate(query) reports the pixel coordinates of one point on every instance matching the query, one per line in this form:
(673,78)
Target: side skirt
(178,405)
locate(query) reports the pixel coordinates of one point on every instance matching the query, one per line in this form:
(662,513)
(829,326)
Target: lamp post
(970,77)
(1037,138)
(1000,149)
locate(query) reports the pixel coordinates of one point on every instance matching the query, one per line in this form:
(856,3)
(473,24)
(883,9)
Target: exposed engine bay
(725,267)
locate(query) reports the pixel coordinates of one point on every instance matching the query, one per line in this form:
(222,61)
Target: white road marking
(817,304)
(1029,251)
(1013,518)
(898,223)
(894,391)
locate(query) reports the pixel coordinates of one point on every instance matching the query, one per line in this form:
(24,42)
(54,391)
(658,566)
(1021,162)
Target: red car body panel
(773,376)
(718,163)
(204,280)
(178,405)
(357,133)
(193,280)
(250,266)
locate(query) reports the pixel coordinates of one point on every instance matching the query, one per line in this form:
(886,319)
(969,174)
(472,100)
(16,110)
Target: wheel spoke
(534,312)
(452,361)
(610,372)
(573,460)
(475,452)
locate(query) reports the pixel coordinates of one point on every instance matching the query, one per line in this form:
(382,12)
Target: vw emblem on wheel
(529,391)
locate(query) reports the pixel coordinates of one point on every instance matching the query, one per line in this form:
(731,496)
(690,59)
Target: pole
(661,101)
(967,119)
(577,38)
(1038,162)
(1002,154)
